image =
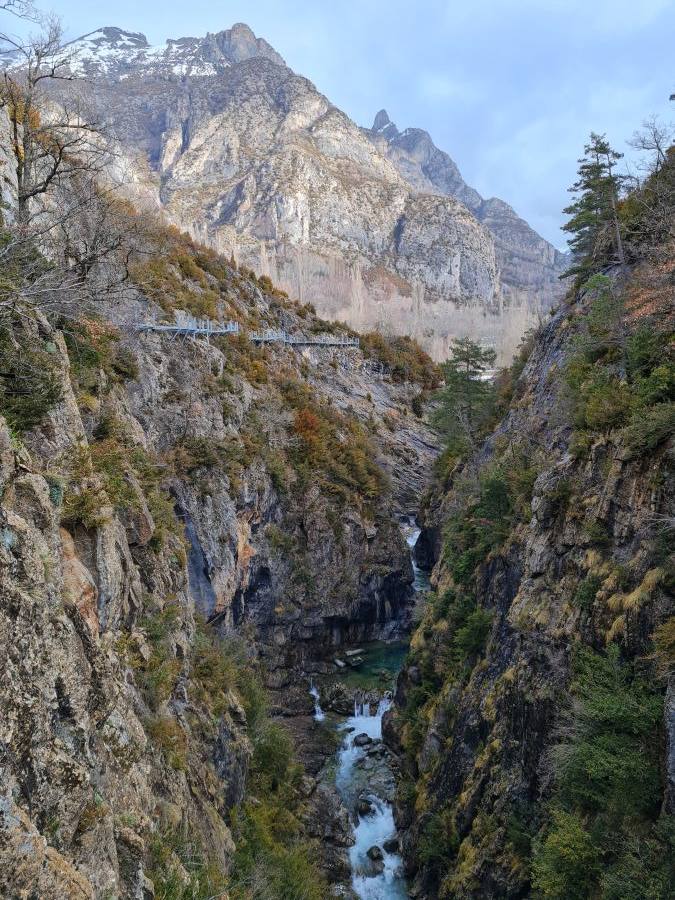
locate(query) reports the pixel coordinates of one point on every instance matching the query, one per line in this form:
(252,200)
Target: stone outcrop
(529,267)
(110,742)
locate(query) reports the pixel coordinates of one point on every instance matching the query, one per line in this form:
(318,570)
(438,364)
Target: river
(364,775)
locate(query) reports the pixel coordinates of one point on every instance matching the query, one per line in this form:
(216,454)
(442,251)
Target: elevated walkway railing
(273,335)
(188,325)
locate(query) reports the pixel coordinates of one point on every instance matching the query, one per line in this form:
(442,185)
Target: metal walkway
(271,335)
(190,326)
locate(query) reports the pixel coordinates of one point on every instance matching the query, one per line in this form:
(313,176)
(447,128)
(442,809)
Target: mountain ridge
(250,158)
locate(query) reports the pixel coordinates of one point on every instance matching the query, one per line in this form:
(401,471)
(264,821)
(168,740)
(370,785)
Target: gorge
(383,611)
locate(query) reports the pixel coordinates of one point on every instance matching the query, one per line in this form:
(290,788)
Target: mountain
(530,267)
(112,53)
(249,157)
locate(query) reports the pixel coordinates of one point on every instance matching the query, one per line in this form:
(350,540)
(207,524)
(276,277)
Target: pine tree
(594,221)
(466,401)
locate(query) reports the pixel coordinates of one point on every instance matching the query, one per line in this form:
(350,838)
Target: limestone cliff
(529,267)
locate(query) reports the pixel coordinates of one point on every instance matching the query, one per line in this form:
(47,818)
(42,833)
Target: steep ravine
(363,772)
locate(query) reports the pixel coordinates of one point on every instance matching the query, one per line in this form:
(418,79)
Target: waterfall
(411,532)
(319,714)
(381,879)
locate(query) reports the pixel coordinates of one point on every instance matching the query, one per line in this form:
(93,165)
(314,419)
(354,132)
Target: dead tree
(50,141)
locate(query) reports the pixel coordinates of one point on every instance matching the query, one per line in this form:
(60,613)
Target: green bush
(664,646)
(438,842)
(567,862)
(205,880)
(470,639)
(402,357)
(648,428)
(479,527)
(29,380)
(272,753)
(604,402)
(586,592)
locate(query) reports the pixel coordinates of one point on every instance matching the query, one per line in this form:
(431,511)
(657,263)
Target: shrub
(438,842)
(596,533)
(29,380)
(171,739)
(332,449)
(586,592)
(567,861)
(84,506)
(480,526)
(644,351)
(402,357)
(205,880)
(470,639)
(649,428)
(607,783)
(664,647)
(91,349)
(125,364)
(272,754)
(604,402)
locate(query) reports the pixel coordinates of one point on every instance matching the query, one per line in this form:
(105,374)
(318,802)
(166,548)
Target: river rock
(362,740)
(376,858)
(364,806)
(392,845)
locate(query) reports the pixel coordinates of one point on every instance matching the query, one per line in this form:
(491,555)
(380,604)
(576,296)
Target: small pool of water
(382,661)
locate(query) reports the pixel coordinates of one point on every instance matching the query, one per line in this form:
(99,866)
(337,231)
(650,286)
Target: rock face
(118,731)
(529,267)
(250,158)
(82,779)
(581,568)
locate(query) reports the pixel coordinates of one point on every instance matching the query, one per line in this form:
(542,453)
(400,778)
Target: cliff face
(529,267)
(552,581)
(97,761)
(248,157)
(147,485)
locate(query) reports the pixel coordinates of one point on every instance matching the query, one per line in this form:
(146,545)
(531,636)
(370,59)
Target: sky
(511,89)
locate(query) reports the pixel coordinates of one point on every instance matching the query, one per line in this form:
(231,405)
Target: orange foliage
(308,427)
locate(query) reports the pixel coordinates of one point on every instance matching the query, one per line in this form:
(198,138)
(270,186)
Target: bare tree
(50,141)
(22,9)
(71,238)
(654,188)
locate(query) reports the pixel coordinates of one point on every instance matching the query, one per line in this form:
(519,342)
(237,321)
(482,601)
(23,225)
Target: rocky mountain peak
(529,266)
(115,54)
(384,127)
(240,43)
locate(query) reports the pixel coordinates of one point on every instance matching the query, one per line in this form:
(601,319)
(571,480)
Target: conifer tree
(594,221)
(466,401)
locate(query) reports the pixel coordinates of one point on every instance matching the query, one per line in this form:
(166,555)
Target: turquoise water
(382,661)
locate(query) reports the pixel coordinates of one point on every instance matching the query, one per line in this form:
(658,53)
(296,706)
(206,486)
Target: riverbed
(365,777)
